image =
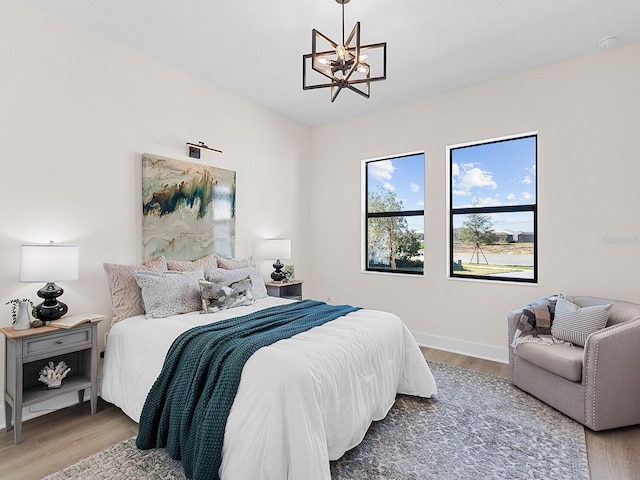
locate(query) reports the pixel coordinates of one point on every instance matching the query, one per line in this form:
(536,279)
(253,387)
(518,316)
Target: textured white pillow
(227,277)
(574,324)
(170,293)
(126,298)
(208,262)
(233,263)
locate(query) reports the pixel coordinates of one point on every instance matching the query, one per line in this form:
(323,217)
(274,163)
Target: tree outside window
(395,214)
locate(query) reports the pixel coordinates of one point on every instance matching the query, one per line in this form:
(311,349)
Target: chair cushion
(559,359)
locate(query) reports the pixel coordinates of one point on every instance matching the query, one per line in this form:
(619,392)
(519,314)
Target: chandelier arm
(343,24)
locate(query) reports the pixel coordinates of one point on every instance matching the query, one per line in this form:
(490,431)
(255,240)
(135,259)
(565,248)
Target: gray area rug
(478,427)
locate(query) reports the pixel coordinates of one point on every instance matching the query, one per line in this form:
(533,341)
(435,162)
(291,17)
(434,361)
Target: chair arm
(513,318)
(611,376)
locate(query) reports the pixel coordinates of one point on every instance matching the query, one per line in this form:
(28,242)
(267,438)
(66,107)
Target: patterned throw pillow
(227,277)
(216,297)
(170,293)
(233,263)
(208,262)
(126,298)
(574,324)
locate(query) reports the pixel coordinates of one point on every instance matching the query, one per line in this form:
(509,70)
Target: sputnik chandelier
(344,65)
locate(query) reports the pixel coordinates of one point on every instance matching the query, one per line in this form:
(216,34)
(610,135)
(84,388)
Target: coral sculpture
(52,377)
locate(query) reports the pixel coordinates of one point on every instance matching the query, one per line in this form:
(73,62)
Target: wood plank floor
(61,438)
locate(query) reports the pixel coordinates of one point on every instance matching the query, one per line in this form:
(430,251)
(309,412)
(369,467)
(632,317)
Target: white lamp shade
(49,263)
(279,248)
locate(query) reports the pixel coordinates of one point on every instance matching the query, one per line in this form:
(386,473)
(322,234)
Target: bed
(301,402)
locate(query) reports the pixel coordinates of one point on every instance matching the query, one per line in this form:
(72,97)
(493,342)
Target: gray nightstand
(27,351)
(291,290)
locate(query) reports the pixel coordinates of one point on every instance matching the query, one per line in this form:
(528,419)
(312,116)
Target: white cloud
(420,203)
(461,193)
(455,170)
(389,186)
(382,170)
(414,187)
(526,196)
(475,178)
(511,196)
(527,180)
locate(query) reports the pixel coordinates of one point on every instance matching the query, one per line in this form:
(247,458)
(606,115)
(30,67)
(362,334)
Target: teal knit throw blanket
(186,410)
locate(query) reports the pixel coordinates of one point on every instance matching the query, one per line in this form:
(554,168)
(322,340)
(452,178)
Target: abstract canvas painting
(188,209)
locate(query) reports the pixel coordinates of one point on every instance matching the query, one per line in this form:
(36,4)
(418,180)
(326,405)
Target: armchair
(598,385)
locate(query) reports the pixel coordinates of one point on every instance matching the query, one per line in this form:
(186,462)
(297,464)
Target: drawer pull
(59,342)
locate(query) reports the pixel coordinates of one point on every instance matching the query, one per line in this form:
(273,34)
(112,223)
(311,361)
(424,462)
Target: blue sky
(499,173)
(496,174)
(405,177)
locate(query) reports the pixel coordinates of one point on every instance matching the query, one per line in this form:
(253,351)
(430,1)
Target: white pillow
(227,277)
(170,293)
(574,324)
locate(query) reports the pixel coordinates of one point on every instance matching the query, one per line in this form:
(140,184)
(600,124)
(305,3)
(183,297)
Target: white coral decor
(52,377)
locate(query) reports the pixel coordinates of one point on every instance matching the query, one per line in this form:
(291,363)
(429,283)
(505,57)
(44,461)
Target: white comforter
(301,401)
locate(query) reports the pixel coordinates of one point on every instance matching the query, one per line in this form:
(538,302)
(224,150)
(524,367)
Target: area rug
(478,426)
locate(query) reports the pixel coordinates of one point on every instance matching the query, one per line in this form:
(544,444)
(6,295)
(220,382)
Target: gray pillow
(216,297)
(170,293)
(227,277)
(574,324)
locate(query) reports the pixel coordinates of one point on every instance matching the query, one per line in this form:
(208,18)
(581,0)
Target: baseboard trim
(48,406)
(478,350)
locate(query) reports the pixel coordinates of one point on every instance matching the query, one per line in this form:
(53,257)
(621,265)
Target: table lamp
(49,263)
(277,249)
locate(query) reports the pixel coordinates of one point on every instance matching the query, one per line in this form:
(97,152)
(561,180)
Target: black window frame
(404,213)
(495,209)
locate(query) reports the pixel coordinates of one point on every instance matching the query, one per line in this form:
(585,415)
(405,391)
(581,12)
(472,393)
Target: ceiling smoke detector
(609,42)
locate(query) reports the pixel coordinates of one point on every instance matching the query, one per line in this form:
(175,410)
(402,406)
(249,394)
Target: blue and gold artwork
(188,209)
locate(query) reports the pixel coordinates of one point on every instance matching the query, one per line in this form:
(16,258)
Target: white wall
(586,114)
(76,114)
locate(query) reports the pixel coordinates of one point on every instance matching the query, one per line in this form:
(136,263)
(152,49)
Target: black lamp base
(51,309)
(278,275)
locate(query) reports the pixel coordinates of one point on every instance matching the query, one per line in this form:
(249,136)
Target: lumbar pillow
(227,277)
(233,263)
(574,324)
(126,298)
(216,296)
(170,293)
(208,262)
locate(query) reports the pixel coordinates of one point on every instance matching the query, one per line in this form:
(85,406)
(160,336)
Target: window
(493,210)
(394,214)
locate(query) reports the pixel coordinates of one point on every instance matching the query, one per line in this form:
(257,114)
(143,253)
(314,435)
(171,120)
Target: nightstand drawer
(65,341)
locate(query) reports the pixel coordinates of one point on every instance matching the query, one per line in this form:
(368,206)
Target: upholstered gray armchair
(598,385)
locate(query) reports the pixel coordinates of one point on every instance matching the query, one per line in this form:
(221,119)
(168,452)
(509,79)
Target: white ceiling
(254,48)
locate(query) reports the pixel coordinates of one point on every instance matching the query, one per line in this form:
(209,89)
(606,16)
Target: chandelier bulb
(363,68)
(340,51)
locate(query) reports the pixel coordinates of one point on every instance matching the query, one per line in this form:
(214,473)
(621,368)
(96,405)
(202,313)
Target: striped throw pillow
(574,324)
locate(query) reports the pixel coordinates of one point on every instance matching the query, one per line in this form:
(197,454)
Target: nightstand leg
(7,415)
(17,425)
(80,397)
(94,402)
